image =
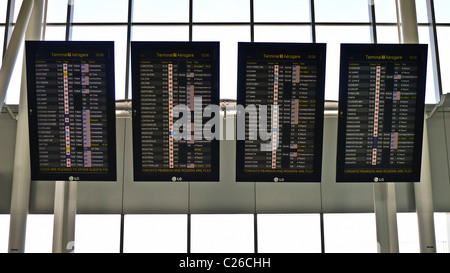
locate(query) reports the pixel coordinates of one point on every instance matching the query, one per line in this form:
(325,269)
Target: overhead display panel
(280,112)
(175,111)
(381,112)
(71,102)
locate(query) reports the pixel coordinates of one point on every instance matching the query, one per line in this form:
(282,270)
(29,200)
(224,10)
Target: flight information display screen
(71,103)
(381,112)
(175,111)
(280,112)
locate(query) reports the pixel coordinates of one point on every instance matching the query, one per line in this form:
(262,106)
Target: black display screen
(280,112)
(175,111)
(381,112)
(71,103)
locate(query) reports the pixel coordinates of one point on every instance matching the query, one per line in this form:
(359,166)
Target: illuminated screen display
(381,112)
(280,112)
(71,102)
(175,111)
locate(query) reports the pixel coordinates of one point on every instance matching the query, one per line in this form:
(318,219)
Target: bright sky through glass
(177,11)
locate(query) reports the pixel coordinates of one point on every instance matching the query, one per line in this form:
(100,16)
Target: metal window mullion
(373,22)
(128,53)
(69,19)
(312,14)
(8,24)
(434,50)
(252,21)
(191,11)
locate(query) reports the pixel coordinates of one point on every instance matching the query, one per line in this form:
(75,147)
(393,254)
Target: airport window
(155,233)
(97,233)
(87,11)
(289,233)
(221,11)
(39,234)
(408,233)
(231,21)
(443,34)
(3,4)
(214,233)
(341,11)
(350,233)
(2,33)
(158,11)
(55,11)
(282,11)
(4,232)
(441,8)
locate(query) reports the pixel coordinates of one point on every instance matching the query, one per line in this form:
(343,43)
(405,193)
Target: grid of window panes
(232,21)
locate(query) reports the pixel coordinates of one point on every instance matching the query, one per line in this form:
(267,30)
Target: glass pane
(385,11)
(155,234)
(442,229)
(161,11)
(17,7)
(55,33)
(13,92)
(39,233)
(444,56)
(289,233)
(97,233)
(441,11)
(57,11)
(281,11)
(430,91)
(100,11)
(283,34)
(350,233)
(4,233)
(228,36)
(421,11)
(221,11)
(160,33)
(222,233)
(2,35)
(408,233)
(334,36)
(387,35)
(3,9)
(342,11)
(116,34)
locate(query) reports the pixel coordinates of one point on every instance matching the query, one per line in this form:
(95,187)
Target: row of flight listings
(175,98)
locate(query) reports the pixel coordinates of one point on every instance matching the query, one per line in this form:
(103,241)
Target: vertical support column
(423,193)
(21,173)
(385,205)
(386,217)
(65,207)
(65,204)
(424,201)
